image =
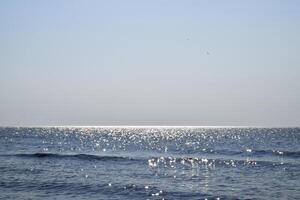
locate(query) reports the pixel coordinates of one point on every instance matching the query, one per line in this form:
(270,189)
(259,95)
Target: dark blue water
(149,163)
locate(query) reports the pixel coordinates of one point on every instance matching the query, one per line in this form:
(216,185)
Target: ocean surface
(149,163)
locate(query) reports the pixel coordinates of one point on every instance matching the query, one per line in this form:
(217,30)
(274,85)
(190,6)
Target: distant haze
(156,62)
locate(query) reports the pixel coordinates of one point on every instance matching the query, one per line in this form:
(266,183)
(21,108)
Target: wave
(291,154)
(76,156)
(169,160)
(254,153)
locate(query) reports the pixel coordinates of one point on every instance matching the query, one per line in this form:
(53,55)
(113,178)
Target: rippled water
(149,163)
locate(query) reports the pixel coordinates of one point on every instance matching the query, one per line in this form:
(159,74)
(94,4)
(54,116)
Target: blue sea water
(149,163)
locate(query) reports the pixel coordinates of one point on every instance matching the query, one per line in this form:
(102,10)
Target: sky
(152,62)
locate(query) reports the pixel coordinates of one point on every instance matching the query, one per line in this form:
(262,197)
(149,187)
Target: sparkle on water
(156,162)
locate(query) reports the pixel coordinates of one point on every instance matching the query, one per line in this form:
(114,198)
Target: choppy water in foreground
(149,163)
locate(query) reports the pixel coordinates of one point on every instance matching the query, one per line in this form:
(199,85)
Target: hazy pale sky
(153,62)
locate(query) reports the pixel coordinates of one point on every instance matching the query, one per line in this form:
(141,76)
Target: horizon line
(146,126)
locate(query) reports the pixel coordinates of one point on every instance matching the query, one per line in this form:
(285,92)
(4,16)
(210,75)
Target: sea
(120,163)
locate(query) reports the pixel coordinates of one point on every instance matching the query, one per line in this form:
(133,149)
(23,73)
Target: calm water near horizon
(149,163)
